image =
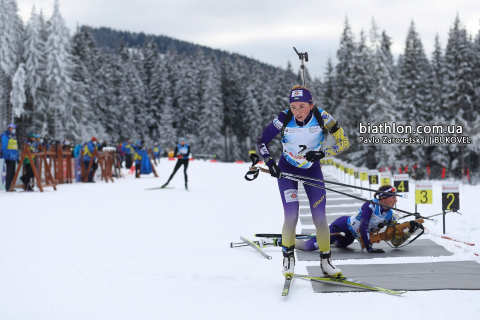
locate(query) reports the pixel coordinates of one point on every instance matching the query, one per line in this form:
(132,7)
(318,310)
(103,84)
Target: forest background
(116,84)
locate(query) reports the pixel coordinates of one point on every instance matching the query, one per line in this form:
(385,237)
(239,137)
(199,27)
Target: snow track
(116,251)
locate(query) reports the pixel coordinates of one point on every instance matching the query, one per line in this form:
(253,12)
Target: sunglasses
(387,193)
(393,190)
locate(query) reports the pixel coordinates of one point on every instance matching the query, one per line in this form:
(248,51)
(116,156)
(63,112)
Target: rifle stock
(387,235)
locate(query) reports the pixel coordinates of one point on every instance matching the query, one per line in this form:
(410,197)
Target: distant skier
(128,150)
(157,151)
(142,161)
(87,156)
(10,154)
(26,162)
(182,152)
(302,137)
(369,218)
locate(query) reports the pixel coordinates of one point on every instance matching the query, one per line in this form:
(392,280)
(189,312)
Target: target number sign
(400,181)
(450,196)
(373,177)
(423,193)
(385,177)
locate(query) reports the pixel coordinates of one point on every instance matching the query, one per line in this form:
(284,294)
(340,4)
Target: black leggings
(28,175)
(177,166)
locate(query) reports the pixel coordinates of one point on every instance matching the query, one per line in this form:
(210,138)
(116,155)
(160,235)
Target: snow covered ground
(117,251)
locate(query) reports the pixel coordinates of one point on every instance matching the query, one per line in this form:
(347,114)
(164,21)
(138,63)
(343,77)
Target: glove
(274,170)
(371,250)
(313,156)
(179,156)
(414,225)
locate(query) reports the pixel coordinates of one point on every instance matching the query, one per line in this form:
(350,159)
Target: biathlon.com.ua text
(395,133)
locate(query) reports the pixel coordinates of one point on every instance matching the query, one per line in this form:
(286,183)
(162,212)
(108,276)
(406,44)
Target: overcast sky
(268,29)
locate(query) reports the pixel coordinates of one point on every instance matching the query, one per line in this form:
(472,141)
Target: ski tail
(351,283)
(286,286)
(256,247)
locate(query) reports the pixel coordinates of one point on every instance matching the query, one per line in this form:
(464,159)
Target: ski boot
(328,268)
(166,184)
(288,261)
(186,186)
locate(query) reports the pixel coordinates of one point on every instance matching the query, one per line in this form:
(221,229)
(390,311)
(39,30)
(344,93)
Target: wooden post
(152,156)
(68,160)
(59,162)
(48,177)
(153,168)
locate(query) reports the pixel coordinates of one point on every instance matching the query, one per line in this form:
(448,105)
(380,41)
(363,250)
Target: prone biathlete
(301,127)
(369,218)
(182,152)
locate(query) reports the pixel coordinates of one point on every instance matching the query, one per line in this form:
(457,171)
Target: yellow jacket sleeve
(341,139)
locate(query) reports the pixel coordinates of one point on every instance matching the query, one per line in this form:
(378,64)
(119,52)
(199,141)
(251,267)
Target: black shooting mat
(445,275)
(307,219)
(418,248)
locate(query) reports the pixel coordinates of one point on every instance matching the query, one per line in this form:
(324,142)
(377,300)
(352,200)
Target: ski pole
(236,245)
(328,181)
(345,185)
(300,179)
(302,56)
(254,171)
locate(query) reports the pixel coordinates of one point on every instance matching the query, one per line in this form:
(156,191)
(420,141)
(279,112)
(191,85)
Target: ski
(279,235)
(351,283)
(256,247)
(286,287)
(160,188)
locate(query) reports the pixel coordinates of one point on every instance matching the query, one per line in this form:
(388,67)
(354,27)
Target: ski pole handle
(255,158)
(252,174)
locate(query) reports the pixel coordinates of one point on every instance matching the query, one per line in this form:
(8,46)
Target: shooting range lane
(445,275)
(418,248)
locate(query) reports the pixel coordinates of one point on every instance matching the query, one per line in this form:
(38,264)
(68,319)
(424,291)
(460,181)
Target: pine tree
(17,95)
(439,155)
(150,56)
(11,49)
(211,111)
(329,86)
(361,89)
(35,63)
(344,93)
(167,134)
(413,83)
(344,71)
(291,79)
(187,99)
(382,101)
(83,99)
(59,76)
(459,89)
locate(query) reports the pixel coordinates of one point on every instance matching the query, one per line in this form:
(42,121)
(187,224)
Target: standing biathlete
(302,137)
(182,153)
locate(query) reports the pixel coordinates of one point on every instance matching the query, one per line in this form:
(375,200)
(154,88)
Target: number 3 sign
(423,193)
